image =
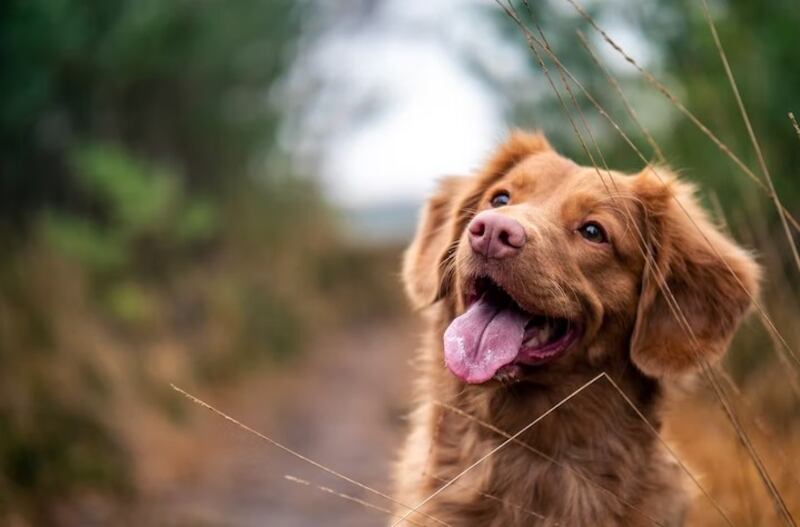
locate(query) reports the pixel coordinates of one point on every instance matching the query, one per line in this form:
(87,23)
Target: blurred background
(216,194)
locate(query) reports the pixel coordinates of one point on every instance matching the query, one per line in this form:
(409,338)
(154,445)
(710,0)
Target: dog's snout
(495,235)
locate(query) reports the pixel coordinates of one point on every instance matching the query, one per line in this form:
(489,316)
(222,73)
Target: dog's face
(544,265)
(548,262)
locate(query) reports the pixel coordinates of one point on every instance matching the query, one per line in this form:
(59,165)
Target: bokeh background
(215,194)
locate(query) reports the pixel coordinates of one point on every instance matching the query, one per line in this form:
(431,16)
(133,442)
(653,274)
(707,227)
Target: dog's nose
(495,235)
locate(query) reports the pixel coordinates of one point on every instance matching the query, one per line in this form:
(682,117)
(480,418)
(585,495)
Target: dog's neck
(611,387)
(565,407)
(586,435)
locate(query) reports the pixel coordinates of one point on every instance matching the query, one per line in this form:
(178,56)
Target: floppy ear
(423,267)
(712,287)
(446,214)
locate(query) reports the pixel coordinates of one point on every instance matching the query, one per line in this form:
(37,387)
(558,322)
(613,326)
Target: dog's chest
(535,484)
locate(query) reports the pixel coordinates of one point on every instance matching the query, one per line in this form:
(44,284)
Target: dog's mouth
(496,338)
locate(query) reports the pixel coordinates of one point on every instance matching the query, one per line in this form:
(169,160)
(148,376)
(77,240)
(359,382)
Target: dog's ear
(696,287)
(423,263)
(427,265)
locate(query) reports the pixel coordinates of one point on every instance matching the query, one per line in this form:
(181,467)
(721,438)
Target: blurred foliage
(760,44)
(182,81)
(141,213)
(674,42)
(138,206)
(55,450)
(152,230)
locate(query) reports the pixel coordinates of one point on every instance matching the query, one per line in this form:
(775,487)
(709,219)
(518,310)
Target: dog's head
(544,264)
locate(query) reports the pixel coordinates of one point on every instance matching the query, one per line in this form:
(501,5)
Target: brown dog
(537,275)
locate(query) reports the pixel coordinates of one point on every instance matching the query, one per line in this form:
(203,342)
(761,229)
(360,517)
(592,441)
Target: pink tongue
(482,340)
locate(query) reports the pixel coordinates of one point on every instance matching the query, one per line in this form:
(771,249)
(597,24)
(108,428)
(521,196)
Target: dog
(536,275)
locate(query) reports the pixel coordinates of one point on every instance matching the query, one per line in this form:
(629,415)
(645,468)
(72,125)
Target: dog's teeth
(533,341)
(544,333)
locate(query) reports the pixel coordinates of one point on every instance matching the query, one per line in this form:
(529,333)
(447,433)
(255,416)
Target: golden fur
(609,469)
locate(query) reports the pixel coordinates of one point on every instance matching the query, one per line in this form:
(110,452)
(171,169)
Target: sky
(398,106)
(386,97)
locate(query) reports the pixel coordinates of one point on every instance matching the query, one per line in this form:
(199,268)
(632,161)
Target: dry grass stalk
(533,40)
(497,449)
(760,424)
(711,374)
(746,118)
(771,326)
(346,497)
(716,455)
(792,372)
(673,305)
(794,124)
(452,481)
(780,352)
(661,88)
(628,106)
(492,497)
(296,454)
(427,472)
(543,455)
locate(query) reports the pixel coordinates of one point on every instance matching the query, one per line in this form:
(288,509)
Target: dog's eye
(593,232)
(500,199)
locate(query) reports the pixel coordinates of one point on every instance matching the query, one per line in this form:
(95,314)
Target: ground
(341,404)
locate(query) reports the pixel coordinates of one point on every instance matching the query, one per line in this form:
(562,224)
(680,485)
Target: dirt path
(342,405)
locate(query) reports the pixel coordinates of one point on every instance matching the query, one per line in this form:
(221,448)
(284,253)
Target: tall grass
(739,430)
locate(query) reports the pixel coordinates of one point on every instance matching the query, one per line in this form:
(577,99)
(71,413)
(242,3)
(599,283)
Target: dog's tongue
(482,340)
